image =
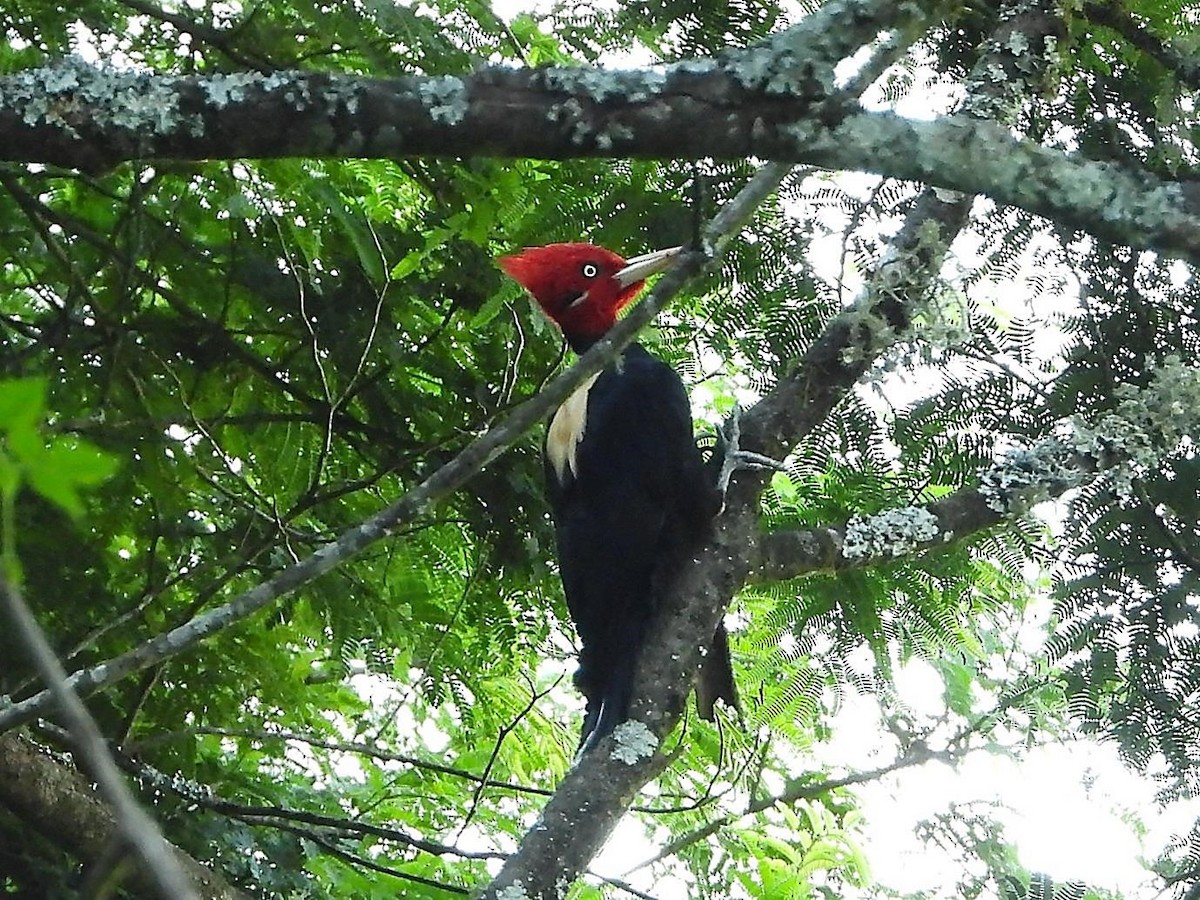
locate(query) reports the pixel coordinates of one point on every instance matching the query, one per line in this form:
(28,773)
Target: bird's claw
(733,457)
(748,459)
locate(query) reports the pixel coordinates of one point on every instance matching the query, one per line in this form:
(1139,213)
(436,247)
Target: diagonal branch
(484,782)
(478,454)
(857,337)
(449,478)
(163,867)
(204,797)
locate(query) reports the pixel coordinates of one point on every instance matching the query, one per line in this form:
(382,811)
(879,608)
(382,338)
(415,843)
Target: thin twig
(361,749)
(485,780)
(139,829)
(355,860)
(796,791)
(623,886)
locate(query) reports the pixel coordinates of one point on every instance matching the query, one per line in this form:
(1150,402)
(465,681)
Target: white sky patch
(1064,807)
(920,686)
(1059,825)
(510,9)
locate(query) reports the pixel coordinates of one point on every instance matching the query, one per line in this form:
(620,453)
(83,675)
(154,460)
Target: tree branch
(1046,472)
(274,815)
(223,40)
(362,861)
(857,337)
(777,101)
(350,747)
(58,802)
(162,867)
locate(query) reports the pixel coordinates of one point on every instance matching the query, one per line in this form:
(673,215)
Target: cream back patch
(566,431)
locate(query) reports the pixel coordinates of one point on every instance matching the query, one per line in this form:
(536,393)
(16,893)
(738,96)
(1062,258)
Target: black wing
(628,508)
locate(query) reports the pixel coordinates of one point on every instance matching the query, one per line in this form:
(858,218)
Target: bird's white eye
(590,270)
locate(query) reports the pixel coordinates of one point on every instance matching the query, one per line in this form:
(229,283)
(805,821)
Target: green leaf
(65,468)
(959,681)
(22,402)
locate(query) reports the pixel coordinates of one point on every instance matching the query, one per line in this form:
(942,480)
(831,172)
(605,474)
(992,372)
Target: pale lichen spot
(634,742)
(514,891)
(72,92)
(893,532)
(1025,477)
(445,98)
(1129,441)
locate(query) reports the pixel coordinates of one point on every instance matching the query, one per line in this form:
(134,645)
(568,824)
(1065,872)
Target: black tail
(605,678)
(715,681)
(608,701)
(606,712)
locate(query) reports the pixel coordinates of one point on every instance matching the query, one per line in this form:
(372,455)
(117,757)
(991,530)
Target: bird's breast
(566,431)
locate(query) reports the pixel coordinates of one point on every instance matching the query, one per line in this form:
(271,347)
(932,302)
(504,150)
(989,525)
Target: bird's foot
(733,457)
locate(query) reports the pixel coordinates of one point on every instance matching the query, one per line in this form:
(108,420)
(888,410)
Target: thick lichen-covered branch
(73,113)
(777,101)
(1126,443)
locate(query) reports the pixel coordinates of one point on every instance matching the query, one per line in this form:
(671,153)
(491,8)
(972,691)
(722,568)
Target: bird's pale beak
(641,267)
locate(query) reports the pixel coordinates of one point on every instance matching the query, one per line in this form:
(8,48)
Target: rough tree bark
(777,101)
(58,802)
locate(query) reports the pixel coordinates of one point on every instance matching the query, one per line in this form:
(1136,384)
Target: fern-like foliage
(1128,620)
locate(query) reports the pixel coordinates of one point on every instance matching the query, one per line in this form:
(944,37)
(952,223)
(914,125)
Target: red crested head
(582,287)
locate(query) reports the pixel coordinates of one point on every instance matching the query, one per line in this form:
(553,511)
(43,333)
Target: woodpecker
(629,490)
